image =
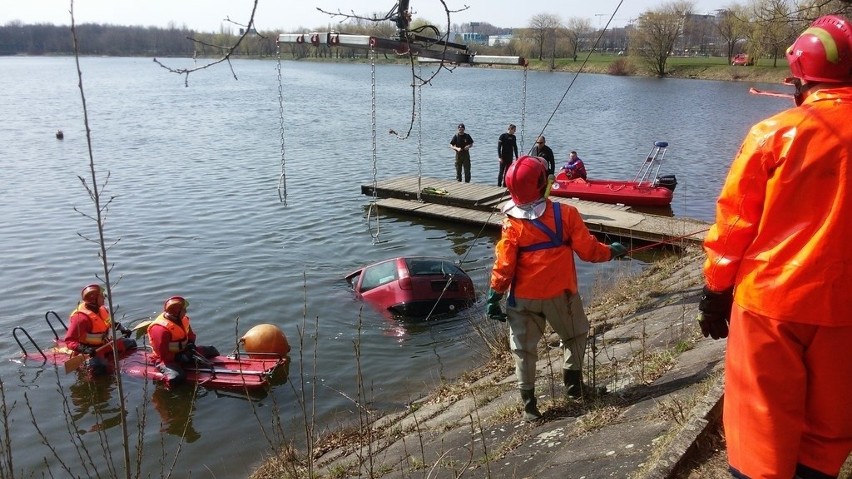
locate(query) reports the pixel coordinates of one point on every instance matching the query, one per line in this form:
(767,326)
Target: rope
(374,206)
(419,134)
(667,241)
(580,70)
(524,105)
(282,180)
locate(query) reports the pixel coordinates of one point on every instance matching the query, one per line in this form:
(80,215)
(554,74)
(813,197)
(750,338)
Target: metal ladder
(650,170)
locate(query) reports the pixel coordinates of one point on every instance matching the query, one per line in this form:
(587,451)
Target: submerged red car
(416,287)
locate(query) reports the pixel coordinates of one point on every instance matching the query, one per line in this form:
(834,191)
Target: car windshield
(378,274)
(428,266)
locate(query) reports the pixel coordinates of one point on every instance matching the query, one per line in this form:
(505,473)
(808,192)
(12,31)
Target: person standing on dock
(541,150)
(778,269)
(534,263)
(173,341)
(507,151)
(461,143)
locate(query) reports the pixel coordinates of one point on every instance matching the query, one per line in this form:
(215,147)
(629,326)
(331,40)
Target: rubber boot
(531,412)
(575,388)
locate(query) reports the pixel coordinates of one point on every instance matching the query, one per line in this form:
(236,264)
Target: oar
(143,324)
(141,328)
(77,360)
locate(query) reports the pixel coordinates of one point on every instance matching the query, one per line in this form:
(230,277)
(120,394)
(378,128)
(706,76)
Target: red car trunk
(413,287)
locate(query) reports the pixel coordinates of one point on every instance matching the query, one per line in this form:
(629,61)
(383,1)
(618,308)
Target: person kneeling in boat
(173,341)
(575,168)
(88,330)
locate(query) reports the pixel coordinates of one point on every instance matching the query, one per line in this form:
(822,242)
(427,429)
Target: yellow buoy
(265,339)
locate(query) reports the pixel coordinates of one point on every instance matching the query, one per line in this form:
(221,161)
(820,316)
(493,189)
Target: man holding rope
(534,263)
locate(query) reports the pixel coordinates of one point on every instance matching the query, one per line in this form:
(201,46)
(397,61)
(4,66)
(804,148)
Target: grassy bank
(698,68)
(702,68)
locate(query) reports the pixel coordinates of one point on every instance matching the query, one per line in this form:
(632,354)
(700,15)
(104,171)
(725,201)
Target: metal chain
(282,180)
(373,210)
(419,132)
(523,108)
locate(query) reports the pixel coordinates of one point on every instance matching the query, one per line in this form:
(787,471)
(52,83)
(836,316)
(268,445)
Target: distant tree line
(762,28)
(17,38)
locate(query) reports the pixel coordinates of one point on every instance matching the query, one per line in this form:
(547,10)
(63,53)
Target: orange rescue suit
(179,336)
(787,168)
(532,271)
(783,221)
(94,336)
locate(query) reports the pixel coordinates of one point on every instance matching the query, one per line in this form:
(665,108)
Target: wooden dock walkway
(479,204)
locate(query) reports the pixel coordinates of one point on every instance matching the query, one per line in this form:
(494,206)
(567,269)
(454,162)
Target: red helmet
(526,179)
(175,306)
(92,294)
(823,52)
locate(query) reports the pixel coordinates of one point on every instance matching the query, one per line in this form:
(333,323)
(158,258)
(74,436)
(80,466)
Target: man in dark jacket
(507,150)
(461,143)
(543,151)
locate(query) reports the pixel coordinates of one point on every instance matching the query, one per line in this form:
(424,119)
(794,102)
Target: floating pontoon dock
(480,204)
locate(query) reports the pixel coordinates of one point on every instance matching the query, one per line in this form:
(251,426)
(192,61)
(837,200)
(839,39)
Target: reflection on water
(92,400)
(176,408)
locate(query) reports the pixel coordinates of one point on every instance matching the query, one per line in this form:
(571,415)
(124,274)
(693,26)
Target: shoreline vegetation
(693,68)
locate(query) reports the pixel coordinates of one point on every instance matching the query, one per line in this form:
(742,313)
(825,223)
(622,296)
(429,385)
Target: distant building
(499,40)
(473,37)
(699,36)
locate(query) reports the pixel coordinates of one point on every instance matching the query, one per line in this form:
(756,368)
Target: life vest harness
(100,322)
(555,241)
(179,333)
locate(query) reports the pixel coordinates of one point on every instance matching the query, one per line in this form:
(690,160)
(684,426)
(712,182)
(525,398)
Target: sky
(290,15)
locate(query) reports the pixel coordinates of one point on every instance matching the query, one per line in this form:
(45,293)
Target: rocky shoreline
(659,420)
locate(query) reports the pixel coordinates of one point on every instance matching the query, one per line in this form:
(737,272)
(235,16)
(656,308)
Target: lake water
(193,172)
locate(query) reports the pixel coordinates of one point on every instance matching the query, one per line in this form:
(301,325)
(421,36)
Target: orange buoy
(264,340)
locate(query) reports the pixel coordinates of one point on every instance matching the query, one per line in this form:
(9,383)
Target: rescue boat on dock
(646,189)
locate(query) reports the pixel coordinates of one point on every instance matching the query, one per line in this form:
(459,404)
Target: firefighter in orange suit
(534,263)
(173,341)
(778,270)
(89,327)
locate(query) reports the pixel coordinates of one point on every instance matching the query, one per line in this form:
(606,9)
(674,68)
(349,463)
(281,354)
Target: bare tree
(809,10)
(773,28)
(655,35)
(732,27)
(577,29)
(543,29)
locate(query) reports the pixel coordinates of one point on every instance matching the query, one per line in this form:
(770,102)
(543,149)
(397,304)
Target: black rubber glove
(494,310)
(126,332)
(89,350)
(617,250)
(715,310)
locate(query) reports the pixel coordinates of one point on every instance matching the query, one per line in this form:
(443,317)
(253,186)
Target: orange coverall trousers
(788,396)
